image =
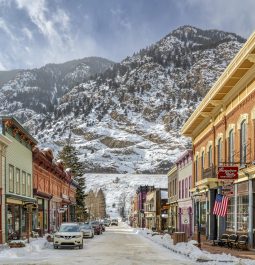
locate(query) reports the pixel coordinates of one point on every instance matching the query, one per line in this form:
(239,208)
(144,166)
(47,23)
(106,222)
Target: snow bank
(193,252)
(34,247)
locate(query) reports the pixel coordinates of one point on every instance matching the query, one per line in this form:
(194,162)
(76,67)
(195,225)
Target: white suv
(69,234)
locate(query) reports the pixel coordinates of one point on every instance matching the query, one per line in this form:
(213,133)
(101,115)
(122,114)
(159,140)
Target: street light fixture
(197,197)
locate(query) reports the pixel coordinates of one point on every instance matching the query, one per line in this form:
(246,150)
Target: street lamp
(197,197)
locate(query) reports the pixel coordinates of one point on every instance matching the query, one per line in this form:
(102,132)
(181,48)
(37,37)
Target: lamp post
(197,197)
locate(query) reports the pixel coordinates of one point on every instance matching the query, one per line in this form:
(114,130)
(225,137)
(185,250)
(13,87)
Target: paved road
(117,246)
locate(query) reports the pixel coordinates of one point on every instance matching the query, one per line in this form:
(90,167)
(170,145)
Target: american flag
(220,205)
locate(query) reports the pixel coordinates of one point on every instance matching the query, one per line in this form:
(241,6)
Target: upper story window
(210,156)
(11,178)
(23,183)
(220,150)
(243,142)
(231,147)
(203,161)
(196,169)
(17,181)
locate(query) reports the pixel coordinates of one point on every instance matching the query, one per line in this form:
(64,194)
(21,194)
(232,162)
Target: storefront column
(221,220)
(212,219)
(250,212)
(235,210)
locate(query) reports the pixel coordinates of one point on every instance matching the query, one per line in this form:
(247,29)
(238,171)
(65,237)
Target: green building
(19,181)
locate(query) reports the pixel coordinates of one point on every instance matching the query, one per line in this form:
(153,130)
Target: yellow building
(222,129)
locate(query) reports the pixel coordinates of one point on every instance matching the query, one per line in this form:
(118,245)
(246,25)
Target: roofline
(172,170)
(18,124)
(237,60)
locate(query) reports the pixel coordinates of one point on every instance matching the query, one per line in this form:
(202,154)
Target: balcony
(209,172)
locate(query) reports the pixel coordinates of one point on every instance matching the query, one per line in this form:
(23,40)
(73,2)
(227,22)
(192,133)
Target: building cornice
(242,62)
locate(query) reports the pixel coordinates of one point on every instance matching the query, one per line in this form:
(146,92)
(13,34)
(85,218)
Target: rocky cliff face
(128,118)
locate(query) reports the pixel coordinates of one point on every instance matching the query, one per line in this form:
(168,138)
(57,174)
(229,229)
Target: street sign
(228,173)
(228,190)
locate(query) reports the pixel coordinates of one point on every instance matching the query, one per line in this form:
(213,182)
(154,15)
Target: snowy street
(118,245)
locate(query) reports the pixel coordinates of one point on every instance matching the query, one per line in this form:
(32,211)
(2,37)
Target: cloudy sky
(36,32)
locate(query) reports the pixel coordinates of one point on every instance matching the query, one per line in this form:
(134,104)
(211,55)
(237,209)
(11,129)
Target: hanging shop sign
(227,173)
(228,190)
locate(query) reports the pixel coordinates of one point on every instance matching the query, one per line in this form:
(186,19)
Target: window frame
(17,180)
(23,185)
(243,142)
(231,146)
(11,180)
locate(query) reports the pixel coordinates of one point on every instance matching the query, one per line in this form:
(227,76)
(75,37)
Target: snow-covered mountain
(25,93)
(128,118)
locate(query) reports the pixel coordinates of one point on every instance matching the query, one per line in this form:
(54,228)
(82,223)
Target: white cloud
(27,33)
(2,68)
(6,29)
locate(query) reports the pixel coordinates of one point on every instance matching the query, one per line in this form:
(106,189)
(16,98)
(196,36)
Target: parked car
(114,222)
(102,226)
(69,234)
(107,222)
(97,227)
(87,230)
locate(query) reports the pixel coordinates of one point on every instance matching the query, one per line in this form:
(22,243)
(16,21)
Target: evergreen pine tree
(69,155)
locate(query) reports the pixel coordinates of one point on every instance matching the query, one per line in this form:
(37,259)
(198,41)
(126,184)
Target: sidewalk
(244,254)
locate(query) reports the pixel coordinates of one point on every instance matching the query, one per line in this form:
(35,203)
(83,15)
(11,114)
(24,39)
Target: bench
(223,241)
(242,242)
(232,240)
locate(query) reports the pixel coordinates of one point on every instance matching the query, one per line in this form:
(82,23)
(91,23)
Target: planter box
(17,244)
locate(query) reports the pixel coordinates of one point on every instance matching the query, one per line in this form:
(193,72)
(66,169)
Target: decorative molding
(231,126)
(243,117)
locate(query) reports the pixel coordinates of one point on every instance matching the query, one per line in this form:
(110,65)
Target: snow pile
(33,248)
(190,250)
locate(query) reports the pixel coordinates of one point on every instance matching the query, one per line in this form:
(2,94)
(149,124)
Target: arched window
(243,142)
(210,156)
(220,151)
(196,169)
(202,161)
(231,147)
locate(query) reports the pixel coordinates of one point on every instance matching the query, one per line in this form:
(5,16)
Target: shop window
(243,144)
(11,178)
(23,183)
(28,185)
(231,215)
(242,213)
(17,181)
(220,152)
(231,147)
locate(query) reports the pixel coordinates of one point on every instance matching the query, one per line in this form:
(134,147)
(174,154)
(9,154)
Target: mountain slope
(26,93)
(128,118)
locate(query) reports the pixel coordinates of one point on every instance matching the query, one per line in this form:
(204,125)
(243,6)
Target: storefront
(18,219)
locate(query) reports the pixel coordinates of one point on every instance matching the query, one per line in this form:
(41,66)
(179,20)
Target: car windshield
(95,223)
(69,228)
(85,226)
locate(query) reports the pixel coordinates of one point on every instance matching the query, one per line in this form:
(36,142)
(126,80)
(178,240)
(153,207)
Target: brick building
(222,129)
(54,190)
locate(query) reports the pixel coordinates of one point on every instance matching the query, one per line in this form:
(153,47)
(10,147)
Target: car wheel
(55,247)
(81,246)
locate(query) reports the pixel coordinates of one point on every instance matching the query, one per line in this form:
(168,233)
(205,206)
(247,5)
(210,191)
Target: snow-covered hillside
(128,119)
(117,187)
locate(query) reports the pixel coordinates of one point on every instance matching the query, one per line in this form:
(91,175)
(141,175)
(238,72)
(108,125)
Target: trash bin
(179,237)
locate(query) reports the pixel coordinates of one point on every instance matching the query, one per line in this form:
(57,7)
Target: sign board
(61,210)
(227,173)
(228,190)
